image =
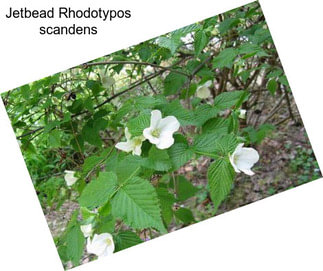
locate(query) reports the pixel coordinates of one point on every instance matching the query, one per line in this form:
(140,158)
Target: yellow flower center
(108,241)
(137,141)
(155,133)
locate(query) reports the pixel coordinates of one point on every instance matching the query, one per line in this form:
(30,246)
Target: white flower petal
(101,245)
(238,148)
(86,230)
(247,157)
(233,164)
(242,114)
(69,177)
(93,76)
(96,246)
(208,83)
(124,146)
(243,159)
(132,144)
(137,150)
(161,130)
(147,134)
(107,81)
(127,134)
(109,248)
(169,124)
(203,93)
(155,118)
(166,141)
(248,172)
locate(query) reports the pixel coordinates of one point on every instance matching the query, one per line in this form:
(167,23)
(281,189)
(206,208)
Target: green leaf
(173,83)
(260,36)
(227,100)
(206,143)
(249,50)
(186,29)
(200,41)
(283,80)
(137,204)
(99,190)
(25,92)
(166,201)
(216,125)
(138,124)
(76,107)
(105,210)
(90,131)
(88,104)
(126,239)
(74,244)
(225,58)
(226,144)
(205,112)
(179,154)
(171,44)
(220,178)
(274,73)
(62,253)
(87,214)
(106,224)
(157,160)
(228,24)
(51,125)
(233,123)
(92,161)
(95,86)
(54,139)
(78,143)
(184,116)
(91,135)
(244,75)
(185,215)
(184,188)
(214,145)
(123,111)
(257,135)
(144,102)
(144,53)
(128,168)
(272,86)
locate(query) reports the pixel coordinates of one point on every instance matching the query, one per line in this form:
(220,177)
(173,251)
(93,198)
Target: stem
(77,142)
(99,164)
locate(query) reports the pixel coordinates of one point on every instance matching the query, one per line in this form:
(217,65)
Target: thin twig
(136,63)
(288,102)
(274,110)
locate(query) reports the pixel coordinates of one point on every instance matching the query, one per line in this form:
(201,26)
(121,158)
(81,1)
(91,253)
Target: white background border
(283,232)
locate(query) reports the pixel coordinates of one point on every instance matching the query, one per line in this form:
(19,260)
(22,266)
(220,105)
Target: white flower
(161,130)
(149,69)
(243,159)
(101,245)
(204,91)
(70,178)
(87,230)
(107,81)
(93,76)
(132,144)
(242,114)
